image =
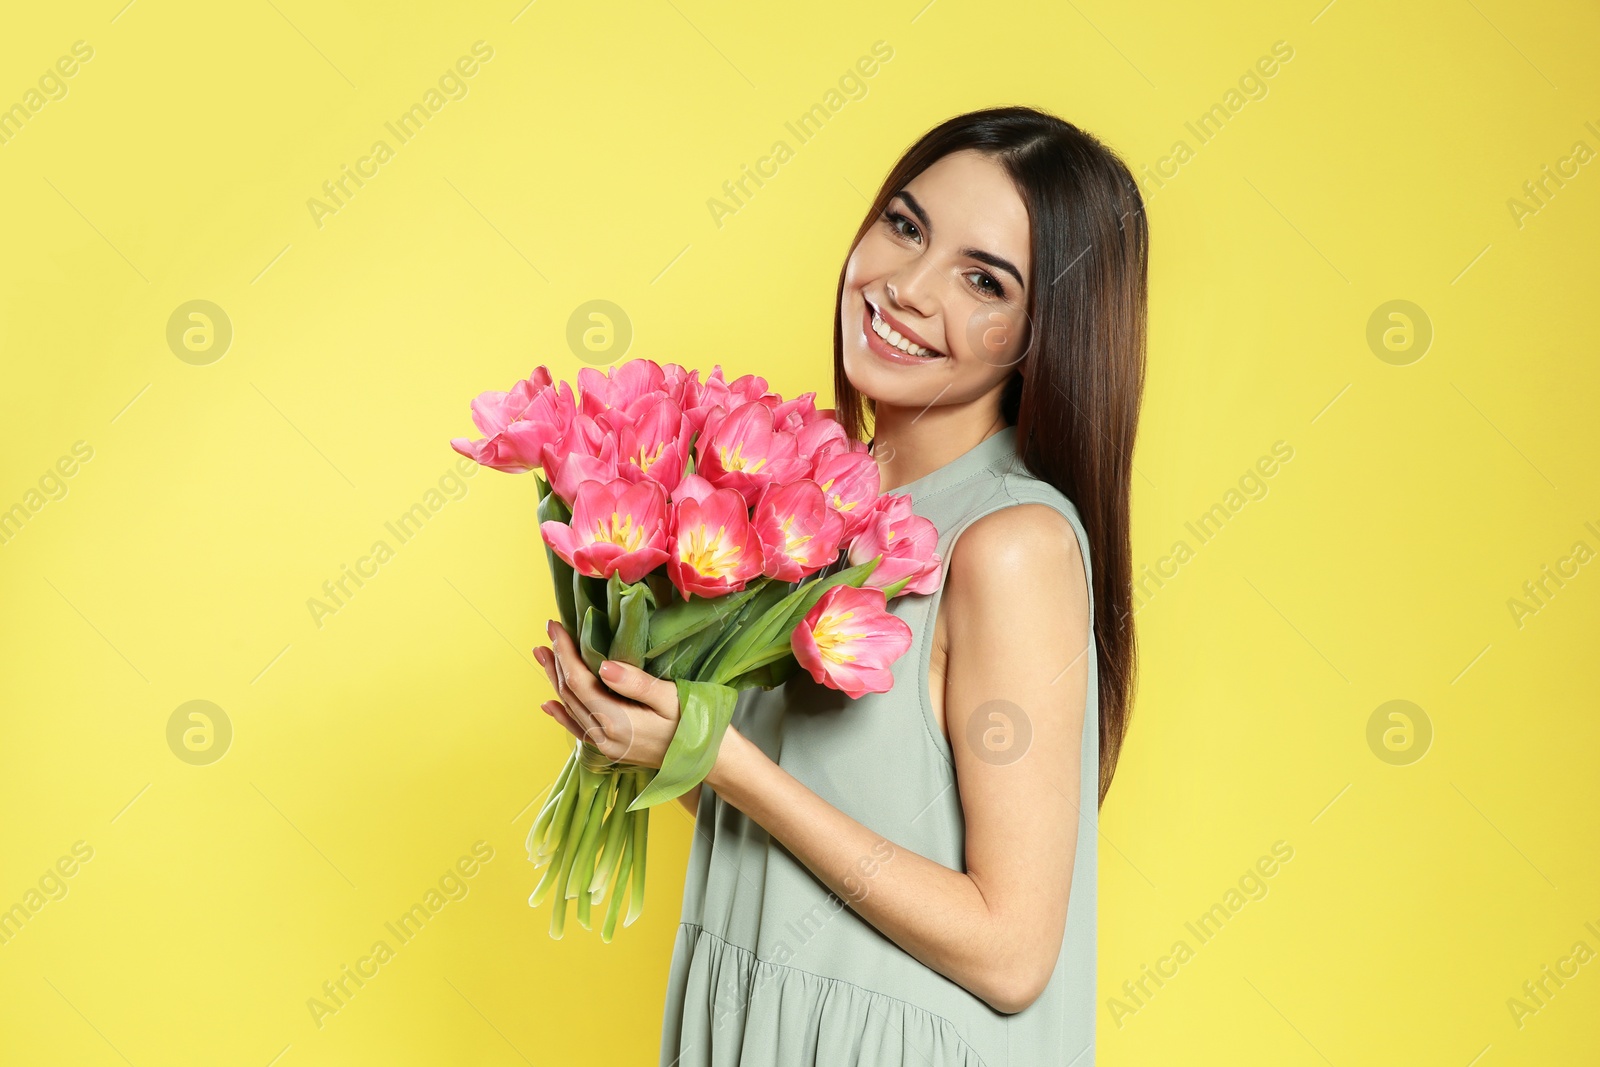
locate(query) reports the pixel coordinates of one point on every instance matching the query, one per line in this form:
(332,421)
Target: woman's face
(944,268)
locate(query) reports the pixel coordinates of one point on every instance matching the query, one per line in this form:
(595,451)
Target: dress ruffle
(742,1010)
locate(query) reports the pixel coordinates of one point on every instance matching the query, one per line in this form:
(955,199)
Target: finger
(554,709)
(548,663)
(592,726)
(579,682)
(598,709)
(637,684)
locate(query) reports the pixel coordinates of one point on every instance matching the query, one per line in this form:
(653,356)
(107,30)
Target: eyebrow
(971,253)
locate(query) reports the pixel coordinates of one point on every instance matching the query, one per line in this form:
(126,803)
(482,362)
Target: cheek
(873,258)
(993,336)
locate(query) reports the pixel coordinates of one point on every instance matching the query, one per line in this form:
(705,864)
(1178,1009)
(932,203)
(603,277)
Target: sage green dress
(770,967)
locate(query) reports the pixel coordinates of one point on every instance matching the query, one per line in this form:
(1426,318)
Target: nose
(912,287)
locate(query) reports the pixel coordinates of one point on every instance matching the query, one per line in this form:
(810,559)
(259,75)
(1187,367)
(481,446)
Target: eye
(994,289)
(894,219)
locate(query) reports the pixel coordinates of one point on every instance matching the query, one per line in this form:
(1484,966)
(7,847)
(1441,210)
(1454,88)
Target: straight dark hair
(1076,410)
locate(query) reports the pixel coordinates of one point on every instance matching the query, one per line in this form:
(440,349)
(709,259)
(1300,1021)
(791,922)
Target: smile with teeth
(892,336)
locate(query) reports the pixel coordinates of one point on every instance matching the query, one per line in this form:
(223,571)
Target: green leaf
(632,632)
(733,628)
(551,509)
(662,588)
(671,624)
(704,711)
(854,576)
(688,451)
(614,588)
(588,593)
(769,676)
(747,627)
(594,640)
(756,643)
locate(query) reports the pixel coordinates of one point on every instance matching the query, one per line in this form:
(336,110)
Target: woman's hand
(630,716)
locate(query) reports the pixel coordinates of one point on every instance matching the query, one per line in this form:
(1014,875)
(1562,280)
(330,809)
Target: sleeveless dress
(770,968)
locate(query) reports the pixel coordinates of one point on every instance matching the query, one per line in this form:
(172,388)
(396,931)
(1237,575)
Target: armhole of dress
(1007,499)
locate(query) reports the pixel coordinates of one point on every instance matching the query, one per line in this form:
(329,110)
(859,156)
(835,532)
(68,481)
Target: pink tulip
(693,487)
(618,527)
(714,549)
(848,640)
(626,387)
(586,452)
(519,423)
(654,445)
(701,400)
(798,530)
(850,479)
(906,541)
(820,433)
(742,451)
(790,416)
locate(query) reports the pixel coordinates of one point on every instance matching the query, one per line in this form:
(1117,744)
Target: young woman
(909,877)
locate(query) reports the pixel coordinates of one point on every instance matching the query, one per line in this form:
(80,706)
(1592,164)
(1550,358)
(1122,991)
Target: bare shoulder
(1019,566)
(1023,543)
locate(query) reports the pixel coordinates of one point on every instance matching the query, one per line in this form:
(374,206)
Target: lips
(899,327)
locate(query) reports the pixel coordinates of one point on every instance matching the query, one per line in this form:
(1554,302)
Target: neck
(911,442)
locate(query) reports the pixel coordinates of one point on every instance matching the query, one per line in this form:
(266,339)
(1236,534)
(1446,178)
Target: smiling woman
(908,876)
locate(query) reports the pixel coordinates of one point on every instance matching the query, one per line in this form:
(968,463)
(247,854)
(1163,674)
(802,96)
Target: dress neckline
(995,448)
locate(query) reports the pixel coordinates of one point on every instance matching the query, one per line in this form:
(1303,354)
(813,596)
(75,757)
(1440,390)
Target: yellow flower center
(620,530)
(733,460)
(644,461)
(792,543)
(830,636)
(710,553)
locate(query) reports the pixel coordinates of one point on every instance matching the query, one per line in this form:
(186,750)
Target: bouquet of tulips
(711,533)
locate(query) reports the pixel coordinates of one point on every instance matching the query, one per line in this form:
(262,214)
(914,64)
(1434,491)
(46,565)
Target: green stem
(586,791)
(552,869)
(541,825)
(583,869)
(618,823)
(563,813)
(619,889)
(641,830)
(591,830)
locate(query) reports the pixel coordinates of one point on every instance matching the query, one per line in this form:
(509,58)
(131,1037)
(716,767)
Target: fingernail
(608,669)
(550,628)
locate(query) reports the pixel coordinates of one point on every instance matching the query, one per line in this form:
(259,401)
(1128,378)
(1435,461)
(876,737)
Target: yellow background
(371,752)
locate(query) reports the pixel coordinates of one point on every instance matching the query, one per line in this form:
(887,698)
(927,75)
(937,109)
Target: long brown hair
(1077,409)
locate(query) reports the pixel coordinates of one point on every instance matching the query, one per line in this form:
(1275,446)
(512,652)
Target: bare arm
(1018,626)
